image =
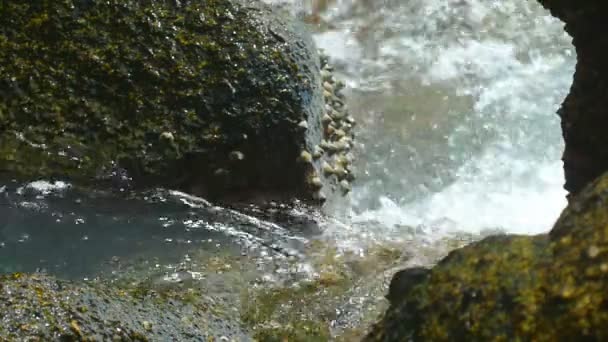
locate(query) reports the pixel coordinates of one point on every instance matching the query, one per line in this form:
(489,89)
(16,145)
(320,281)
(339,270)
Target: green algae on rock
(577,280)
(169,91)
(480,292)
(40,308)
(544,288)
(321,307)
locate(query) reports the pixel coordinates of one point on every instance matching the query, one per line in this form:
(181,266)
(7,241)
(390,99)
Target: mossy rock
(577,281)
(204,96)
(41,308)
(514,288)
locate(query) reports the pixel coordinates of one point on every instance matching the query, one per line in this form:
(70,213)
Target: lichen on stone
(515,288)
(38,307)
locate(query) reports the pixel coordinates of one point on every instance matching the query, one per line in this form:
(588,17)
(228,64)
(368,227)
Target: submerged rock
(164,90)
(549,287)
(41,308)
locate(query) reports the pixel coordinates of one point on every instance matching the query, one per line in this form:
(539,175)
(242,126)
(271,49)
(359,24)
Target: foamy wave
(43,187)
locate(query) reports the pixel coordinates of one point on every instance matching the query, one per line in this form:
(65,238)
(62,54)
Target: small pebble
(340,171)
(316,183)
(167,136)
(326,75)
(319,196)
(340,85)
(303,124)
(324,145)
(593,252)
(340,146)
(345,140)
(221,172)
(351,175)
(326,119)
(327,86)
(339,133)
(337,115)
(327,169)
(345,186)
(342,160)
(236,156)
(305,157)
(147,325)
(318,152)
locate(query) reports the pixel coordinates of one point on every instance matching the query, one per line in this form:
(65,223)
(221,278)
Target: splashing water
(457,102)
(457,138)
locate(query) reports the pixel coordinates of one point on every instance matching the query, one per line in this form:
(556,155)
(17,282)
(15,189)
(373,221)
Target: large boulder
(547,288)
(216,97)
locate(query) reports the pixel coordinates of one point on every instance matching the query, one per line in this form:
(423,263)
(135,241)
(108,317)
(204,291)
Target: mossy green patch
(308,309)
(41,308)
(515,288)
(91,85)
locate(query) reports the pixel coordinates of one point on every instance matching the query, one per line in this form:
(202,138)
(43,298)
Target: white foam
(341,45)
(513,59)
(484,201)
(44,188)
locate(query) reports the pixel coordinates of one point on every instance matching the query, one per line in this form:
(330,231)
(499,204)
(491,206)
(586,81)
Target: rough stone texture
(41,308)
(584,111)
(205,96)
(545,288)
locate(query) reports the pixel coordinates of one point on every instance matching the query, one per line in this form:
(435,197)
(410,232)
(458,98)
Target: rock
(236,156)
(305,157)
(327,86)
(327,169)
(316,183)
(345,186)
(583,111)
(404,281)
(548,287)
(167,136)
(41,308)
(318,152)
(326,76)
(88,86)
(147,325)
(473,294)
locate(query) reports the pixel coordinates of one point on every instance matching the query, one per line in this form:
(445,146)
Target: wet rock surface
(216,97)
(39,307)
(548,287)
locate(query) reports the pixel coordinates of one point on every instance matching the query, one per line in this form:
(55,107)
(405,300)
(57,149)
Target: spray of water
(457,102)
